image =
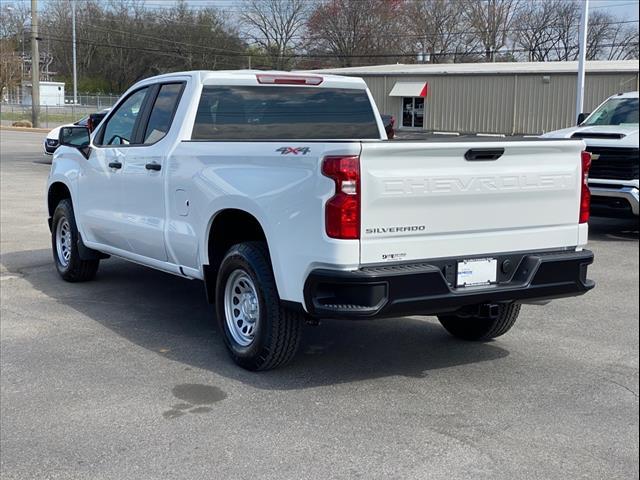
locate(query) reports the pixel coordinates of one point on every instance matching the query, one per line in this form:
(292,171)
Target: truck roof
(243,76)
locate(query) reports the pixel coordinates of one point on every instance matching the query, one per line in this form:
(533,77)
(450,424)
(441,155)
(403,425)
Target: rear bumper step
(426,288)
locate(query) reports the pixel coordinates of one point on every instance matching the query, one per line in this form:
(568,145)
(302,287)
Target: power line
(322,55)
(176,42)
(506,30)
(163,52)
(306,37)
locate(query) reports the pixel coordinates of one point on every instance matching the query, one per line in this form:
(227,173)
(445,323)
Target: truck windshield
(284,113)
(615,111)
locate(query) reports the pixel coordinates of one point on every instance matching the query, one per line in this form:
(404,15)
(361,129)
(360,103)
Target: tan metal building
(507,98)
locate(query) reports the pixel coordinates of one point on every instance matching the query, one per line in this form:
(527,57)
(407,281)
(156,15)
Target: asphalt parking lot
(127,377)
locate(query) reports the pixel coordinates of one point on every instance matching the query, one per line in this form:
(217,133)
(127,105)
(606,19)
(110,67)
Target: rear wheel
(258,331)
(64,243)
(481,328)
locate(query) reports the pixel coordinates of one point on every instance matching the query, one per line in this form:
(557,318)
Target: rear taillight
(342,211)
(585,194)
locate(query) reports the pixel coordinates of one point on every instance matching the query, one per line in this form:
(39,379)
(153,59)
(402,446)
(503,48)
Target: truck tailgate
(425,200)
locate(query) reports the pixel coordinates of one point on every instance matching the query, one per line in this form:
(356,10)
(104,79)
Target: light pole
(584,22)
(35,66)
(75,68)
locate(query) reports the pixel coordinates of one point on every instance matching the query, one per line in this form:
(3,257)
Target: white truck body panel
(525,200)
(285,194)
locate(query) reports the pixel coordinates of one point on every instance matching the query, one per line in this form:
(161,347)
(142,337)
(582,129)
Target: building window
(413,112)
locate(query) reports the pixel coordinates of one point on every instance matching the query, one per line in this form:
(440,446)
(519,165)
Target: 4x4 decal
(294,150)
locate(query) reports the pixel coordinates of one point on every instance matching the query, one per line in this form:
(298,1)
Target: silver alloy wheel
(241,307)
(63,241)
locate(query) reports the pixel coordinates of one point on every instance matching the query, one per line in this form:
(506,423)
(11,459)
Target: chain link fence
(50,116)
(18,97)
(98,101)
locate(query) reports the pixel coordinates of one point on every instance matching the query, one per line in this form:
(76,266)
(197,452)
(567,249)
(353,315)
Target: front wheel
(258,331)
(64,243)
(481,328)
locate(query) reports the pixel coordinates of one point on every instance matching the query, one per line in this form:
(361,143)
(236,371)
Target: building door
(413,112)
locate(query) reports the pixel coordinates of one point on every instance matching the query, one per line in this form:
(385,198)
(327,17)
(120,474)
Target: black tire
(277,329)
(477,328)
(73,269)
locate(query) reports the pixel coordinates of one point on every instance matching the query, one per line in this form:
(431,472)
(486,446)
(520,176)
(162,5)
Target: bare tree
(598,34)
(14,19)
(535,29)
(491,22)
(624,43)
(610,39)
(276,26)
(439,29)
(566,31)
(10,66)
(121,41)
(14,29)
(356,31)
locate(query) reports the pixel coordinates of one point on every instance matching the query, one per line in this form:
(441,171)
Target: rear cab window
(284,113)
(162,113)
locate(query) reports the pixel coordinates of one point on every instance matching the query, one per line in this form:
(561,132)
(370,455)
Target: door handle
(115,165)
(153,166)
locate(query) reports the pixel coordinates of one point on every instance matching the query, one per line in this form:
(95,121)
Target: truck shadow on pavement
(169,315)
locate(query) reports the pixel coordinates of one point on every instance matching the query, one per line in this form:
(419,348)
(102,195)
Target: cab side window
(120,128)
(162,112)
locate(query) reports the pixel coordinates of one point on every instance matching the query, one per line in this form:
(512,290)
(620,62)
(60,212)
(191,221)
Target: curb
(25,129)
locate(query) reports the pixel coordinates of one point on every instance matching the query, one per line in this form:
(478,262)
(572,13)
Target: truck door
(143,174)
(100,187)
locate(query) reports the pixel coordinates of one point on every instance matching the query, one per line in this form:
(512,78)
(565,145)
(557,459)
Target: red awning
(409,89)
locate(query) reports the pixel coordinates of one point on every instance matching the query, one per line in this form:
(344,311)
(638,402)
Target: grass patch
(52,117)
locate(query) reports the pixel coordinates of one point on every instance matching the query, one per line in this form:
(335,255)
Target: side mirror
(582,117)
(76,137)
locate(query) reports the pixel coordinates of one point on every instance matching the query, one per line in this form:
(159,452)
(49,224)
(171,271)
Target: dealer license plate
(478,271)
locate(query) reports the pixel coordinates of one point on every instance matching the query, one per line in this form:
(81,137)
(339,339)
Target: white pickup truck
(282,193)
(611,136)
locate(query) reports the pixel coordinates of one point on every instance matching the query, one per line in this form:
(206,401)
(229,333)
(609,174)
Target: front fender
(65,169)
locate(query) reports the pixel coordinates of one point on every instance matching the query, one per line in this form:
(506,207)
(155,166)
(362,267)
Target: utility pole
(584,22)
(492,20)
(75,68)
(35,66)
